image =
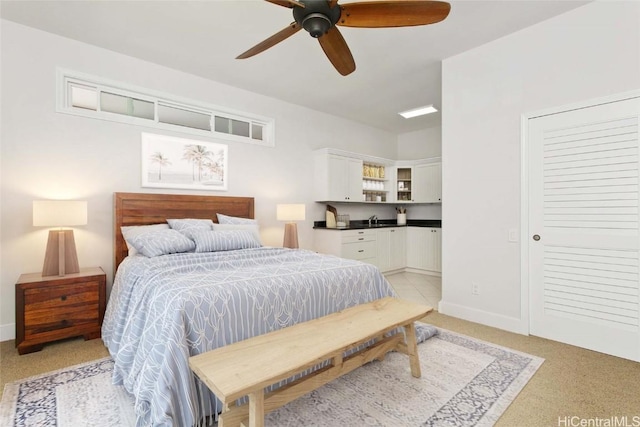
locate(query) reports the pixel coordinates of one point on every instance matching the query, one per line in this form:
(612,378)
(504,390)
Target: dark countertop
(358,224)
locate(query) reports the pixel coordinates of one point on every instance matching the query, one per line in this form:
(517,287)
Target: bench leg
(412,349)
(256,409)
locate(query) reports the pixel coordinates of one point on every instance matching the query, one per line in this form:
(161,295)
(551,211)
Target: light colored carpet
(465,382)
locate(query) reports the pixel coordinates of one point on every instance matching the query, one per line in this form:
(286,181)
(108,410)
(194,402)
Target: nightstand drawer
(60,296)
(59,307)
(42,321)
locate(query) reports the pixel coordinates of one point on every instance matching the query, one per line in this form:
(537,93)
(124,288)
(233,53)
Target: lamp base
(290,235)
(61,257)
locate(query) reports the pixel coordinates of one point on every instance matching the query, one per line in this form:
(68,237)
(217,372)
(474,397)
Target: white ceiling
(397,68)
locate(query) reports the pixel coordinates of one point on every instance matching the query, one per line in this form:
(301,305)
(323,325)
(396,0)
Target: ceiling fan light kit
(320,18)
(317,17)
(316,24)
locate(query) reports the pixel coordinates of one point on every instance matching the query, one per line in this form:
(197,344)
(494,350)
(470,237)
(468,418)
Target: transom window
(89,96)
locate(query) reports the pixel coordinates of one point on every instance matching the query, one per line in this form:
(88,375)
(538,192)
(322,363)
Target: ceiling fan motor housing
(316,17)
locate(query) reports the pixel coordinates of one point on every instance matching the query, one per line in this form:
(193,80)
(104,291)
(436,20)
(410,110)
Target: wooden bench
(247,367)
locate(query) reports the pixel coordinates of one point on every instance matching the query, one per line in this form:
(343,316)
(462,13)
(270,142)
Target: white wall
(51,155)
(421,144)
(8,329)
(590,52)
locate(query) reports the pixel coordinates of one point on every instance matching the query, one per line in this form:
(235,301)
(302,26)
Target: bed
(164,309)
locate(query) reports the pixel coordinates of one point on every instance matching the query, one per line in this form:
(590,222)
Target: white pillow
(131,231)
(182,224)
(188,226)
(226,219)
(228,240)
(253,228)
(162,242)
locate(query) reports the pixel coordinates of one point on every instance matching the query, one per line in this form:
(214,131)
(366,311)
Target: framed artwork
(170,162)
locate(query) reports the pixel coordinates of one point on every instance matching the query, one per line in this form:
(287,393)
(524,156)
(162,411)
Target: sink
(361,226)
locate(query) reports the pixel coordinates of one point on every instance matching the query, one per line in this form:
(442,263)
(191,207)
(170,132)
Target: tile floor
(417,287)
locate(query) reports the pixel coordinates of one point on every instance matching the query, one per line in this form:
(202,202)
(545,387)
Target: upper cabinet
(419,181)
(338,178)
(350,177)
(374,182)
(428,178)
(404,180)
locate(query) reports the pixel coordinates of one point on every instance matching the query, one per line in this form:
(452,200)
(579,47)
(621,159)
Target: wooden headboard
(145,209)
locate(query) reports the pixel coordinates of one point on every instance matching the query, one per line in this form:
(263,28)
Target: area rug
(465,382)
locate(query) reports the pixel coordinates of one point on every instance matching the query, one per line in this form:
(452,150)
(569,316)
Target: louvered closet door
(584,269)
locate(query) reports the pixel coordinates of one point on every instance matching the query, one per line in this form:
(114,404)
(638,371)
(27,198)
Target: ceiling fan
(320,17)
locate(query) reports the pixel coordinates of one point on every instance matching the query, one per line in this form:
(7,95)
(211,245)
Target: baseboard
(511,324)
(392,272)
(412,270)
(425,272)
(8,332)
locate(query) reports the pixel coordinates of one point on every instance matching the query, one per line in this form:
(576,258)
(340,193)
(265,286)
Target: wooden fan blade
(287,3)
(379,14)
(337,51)
(271,41)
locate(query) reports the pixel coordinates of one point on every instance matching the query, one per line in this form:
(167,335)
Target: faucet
(373,218)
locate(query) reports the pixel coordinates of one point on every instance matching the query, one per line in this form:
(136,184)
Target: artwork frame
(181,163)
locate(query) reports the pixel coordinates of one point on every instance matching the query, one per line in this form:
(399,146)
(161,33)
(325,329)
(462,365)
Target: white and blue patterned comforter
(165,309)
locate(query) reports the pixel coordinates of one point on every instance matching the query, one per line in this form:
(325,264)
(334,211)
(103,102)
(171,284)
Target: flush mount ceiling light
(420,111)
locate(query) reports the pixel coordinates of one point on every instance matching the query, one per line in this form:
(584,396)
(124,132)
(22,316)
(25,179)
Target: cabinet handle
(361,250)
(362,238)
(63,297)
(393,231)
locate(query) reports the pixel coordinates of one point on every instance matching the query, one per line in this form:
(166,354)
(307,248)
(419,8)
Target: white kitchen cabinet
(388,248)
(392,246)
(341,176)
(351,244)
(424,248)
(337,178)
(404,184)
(427,179)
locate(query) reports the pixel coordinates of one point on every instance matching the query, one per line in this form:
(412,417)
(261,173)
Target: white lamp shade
(290,212)
(59,213)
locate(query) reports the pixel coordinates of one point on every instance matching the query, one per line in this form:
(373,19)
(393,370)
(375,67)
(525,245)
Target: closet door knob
(536,237)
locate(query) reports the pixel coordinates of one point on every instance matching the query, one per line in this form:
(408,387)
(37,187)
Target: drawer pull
(361,250)
(63,297)
(362,238)
(360,232)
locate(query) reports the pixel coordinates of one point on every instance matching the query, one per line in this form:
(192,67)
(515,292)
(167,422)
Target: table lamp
(290,213)
(60,257)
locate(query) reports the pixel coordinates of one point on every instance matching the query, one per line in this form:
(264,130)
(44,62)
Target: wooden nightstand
(51,308)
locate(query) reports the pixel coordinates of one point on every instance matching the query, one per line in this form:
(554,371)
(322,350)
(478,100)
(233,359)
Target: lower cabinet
(424,248)
(389,249)
(392,248)
(350,244)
